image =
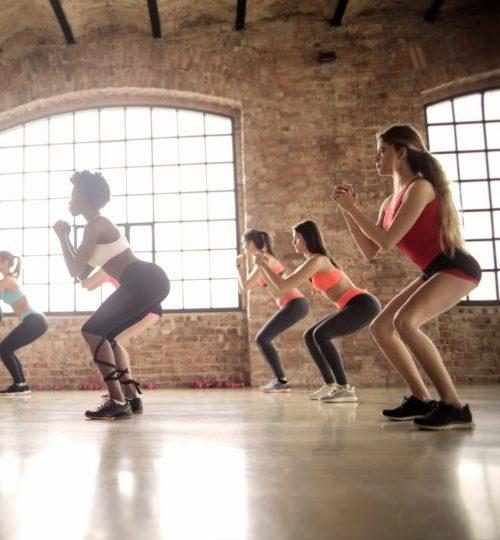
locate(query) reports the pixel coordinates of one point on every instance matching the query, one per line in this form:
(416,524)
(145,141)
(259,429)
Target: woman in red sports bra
(292,306)
(357,308)
(421,220)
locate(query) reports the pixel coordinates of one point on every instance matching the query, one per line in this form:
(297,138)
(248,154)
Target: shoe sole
(405,419)
(447,427)
(340,400)
(17,395)
(276,391)
(122,417)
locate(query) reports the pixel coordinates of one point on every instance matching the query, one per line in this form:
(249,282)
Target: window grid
(51,255)
(486,149)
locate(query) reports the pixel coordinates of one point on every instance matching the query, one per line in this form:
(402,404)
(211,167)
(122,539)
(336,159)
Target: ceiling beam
(154,17)
(63,21)
(431,14)
(241,10)
(339,13)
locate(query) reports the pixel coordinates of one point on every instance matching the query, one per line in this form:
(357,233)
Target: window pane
(441,138)
(486,290)
(140,180)
(36,158)
(168,236)
(61,128)
(36,270)
(11,240)
(470,137)
(477,225)
(112,154)
(116,179)
(86,126)
(139,153)
(196,294)
(12,186)
(58,209)
(492,105)
(164,122)
(12,137)
(494,164)
(222,234)
(139,208)
(60,185)
(468,108)
(439,113)
(455,191)
(11,160)
(87,300)
(475,195)
(193,206)
(472,166)
(36,241)
(144,256)
(167,208)
(166,179)
(495,193)
(223,263)
(115,210)
(86,156)
(493,135)
(224,293)
(165,152)
(483,252)
(190,123)
(219,149)
(217,125)
(36,132)
(449,164)
(62,297)
(138,121)
(171,262)
(195,264)
(221,205)
(496,223)
(58,271)
(54,244)
(36,213)
(192,150)
(221,176)
(194,235)
(174,298)
(12,214)
(38,296)
(112,124)
(192,178)
(141,238)
(61,157)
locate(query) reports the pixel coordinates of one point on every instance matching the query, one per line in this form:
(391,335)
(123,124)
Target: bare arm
(245,283)
(95,280)
(76,260)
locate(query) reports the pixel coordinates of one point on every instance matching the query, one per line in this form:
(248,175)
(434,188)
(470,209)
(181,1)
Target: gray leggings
(356,314)
(286,317)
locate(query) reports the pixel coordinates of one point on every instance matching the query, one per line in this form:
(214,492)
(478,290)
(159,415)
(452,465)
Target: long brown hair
(313,239)
(425,164)
(7,256)
(261,239)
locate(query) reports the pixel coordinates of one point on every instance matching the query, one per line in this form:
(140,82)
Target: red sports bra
(282,300)
(322,281)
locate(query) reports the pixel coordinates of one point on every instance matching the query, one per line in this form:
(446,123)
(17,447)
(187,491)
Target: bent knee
(404,322)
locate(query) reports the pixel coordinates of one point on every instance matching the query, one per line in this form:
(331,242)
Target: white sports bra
(105,252)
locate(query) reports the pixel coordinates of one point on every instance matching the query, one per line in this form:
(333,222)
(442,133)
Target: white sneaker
(325,389)
(340,394)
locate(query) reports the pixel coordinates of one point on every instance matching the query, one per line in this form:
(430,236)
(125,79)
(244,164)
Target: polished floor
(238,464)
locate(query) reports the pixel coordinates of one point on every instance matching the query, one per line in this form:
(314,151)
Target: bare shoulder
(421,189)
(8,283)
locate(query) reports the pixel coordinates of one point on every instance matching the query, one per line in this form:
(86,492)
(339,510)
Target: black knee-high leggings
(143,286)
(356,314)
(283,319)
(31,328)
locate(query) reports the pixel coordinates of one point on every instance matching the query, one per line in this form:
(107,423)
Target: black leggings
(461,260)
(286,317)
(31,328)
(356,314)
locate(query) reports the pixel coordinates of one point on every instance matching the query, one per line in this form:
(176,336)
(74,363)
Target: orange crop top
(282,300)
(322,281)
(278,269)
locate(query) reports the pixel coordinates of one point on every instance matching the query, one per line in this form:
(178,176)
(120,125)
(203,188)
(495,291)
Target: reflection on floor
(238,464)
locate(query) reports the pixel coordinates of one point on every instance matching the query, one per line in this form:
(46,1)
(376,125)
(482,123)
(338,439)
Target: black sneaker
(136,405)
(110,410)
(16,390)
(445,416)
(410,409)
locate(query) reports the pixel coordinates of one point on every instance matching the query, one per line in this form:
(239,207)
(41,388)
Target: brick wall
(304,126)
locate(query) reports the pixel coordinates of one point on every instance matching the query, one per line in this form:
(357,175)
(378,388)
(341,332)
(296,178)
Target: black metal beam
(241,11)
(431,14)
(339,13)
(155,18)
(63,21)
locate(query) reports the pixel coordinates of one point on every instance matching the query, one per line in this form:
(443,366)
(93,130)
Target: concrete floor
(237,464)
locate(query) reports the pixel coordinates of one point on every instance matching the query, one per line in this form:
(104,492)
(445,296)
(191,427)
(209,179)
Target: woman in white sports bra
(143,286)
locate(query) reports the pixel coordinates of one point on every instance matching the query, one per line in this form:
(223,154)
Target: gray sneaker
(325,389)
(340,394)
(275,387)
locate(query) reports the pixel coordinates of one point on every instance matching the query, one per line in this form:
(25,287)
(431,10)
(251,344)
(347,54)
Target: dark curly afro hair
(93,186)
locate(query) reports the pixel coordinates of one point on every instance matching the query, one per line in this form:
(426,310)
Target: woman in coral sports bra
(292,306)
(357,308)
(421,220)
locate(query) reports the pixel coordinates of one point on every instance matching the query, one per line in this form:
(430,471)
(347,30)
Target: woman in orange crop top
(292,306)
(357,308)
(421,220)
(143,286)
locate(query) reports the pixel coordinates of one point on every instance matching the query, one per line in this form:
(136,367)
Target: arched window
(172,178)
(464,134)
